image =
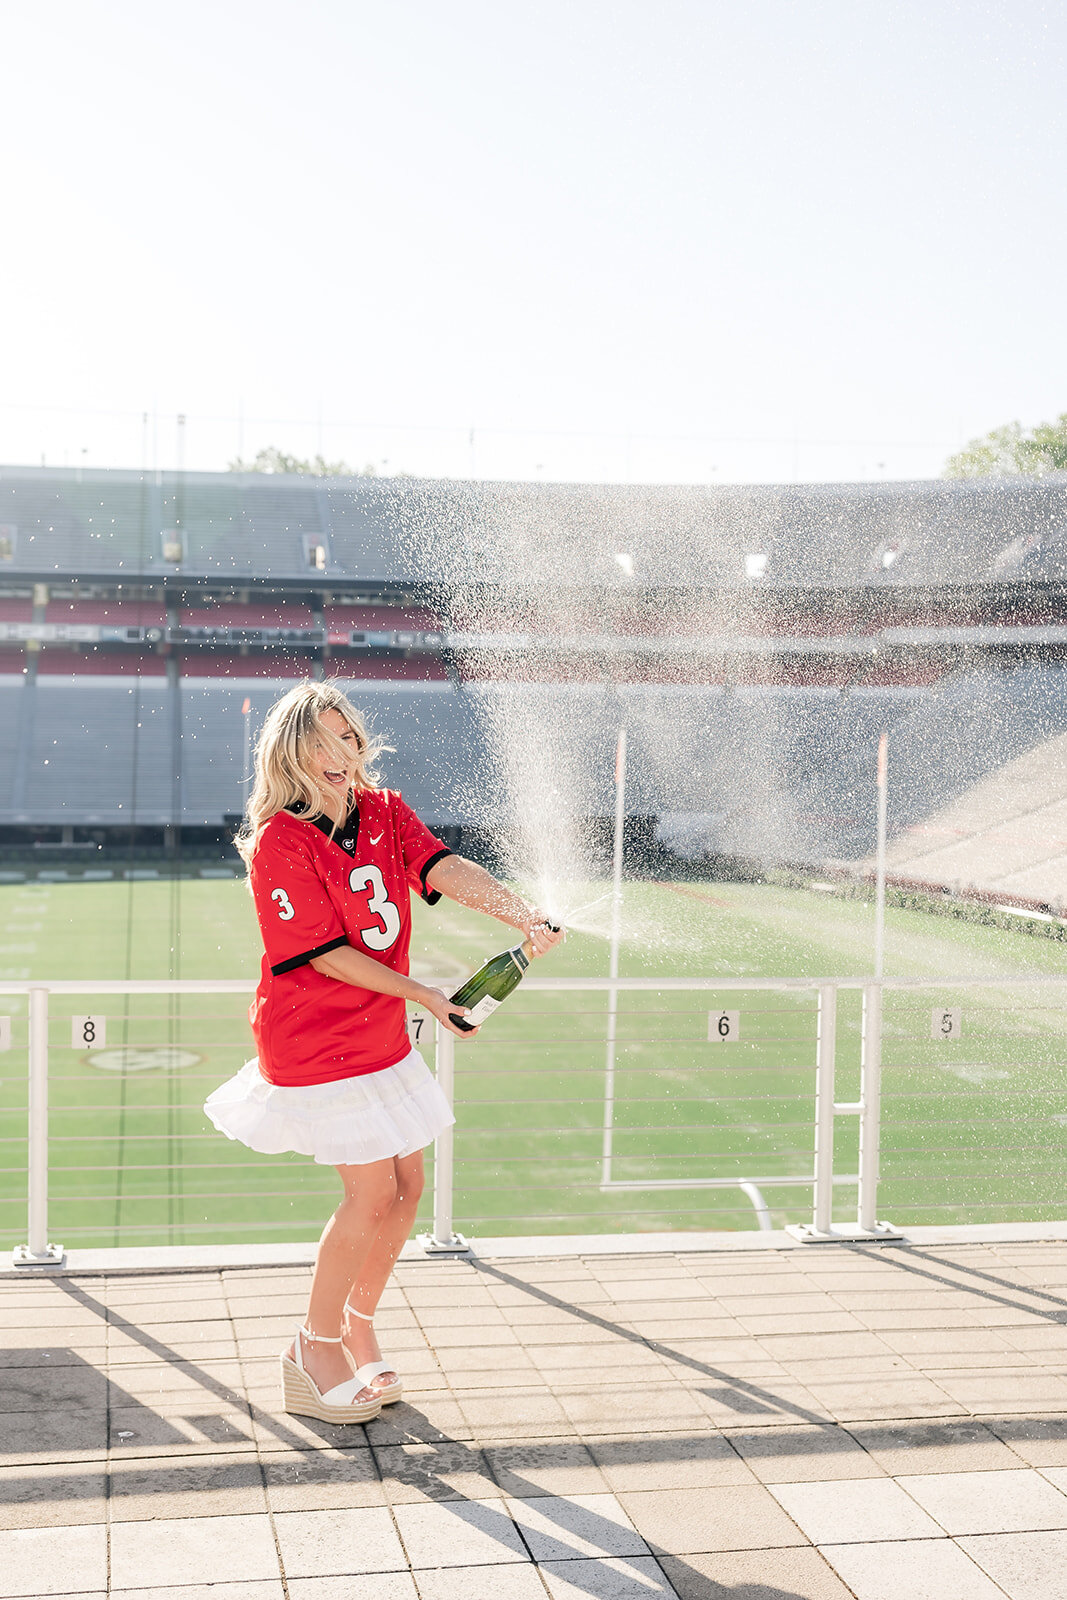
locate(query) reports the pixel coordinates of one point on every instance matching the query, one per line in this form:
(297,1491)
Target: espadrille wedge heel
(301,1396)
(387,1392)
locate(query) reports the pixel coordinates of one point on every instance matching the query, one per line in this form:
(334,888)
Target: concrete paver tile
(801,1573)
(258,1589)
(59,1347)
(1040,1441)
(868,1399)
(917,1343)
(528,1414)
(562,1528)
(950,1446)
(668,1461)
(831,1320)
(175,1308)
(215,1344)
(513,1582)
(336,1543)
(459,1533)
(553,1466)
(617,1355)
(661,1325)
(911,1569)
(53,1495)
(625,1578)
(1015,1501)
(449,1471)
(433,1419)
(855,1511)
(680,1522)
(204,1485)
(28,1436)
(804,1454)
(1009,1389)
(445,1339)
(186,1550)
(47,1561)
(756,1405)
(376,1586)
(639,1409)
(1027,1566)
(792,1347)
(321,1480)
(61,1389)
(206,1430)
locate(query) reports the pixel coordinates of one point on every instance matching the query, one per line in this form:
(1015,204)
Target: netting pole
(444,1236)
(879,883)
(825,1051)
(871,1100)
(613,958)
(37,1251)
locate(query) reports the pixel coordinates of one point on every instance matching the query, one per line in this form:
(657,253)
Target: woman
(331,861)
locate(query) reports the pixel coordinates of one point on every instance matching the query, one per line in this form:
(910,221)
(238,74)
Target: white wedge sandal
(301,1396)
(374,1369)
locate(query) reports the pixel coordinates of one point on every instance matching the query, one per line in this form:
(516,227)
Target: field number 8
(88,1033)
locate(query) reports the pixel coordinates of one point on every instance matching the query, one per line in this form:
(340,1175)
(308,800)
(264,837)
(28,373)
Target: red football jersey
(314,893)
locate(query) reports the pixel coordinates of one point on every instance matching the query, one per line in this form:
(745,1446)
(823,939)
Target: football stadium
(754,644)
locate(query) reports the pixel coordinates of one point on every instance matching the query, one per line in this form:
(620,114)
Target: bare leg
(366,1289)
(347,1241)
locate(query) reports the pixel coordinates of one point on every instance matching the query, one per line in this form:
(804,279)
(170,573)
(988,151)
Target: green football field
(972,1129)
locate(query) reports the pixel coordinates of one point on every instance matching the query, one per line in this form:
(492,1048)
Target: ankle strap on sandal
(319,1338)
(362,1315)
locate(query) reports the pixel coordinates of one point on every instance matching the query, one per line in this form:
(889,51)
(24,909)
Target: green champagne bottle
(487,988)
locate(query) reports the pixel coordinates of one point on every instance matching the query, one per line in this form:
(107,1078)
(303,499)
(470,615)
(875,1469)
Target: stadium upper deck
(771,626)
(366,535)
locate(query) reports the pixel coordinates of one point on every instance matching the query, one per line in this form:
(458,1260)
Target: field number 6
(724,1027)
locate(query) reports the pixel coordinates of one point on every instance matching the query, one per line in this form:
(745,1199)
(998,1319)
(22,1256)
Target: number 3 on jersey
(286,909)
(379,903)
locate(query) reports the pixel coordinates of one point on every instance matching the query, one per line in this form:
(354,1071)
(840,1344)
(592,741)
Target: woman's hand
(437,1002)
(542,934)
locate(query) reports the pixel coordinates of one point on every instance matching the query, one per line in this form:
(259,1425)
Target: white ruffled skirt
(347,1123)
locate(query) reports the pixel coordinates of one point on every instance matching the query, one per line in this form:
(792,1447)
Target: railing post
(444,1236)
(37,1251)
(825,1054)
(871,1099)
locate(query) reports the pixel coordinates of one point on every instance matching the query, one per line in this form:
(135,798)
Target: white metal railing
(822,1177)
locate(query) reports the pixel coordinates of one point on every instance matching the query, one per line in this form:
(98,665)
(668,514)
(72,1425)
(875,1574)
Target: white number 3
(286,909)
(382,938)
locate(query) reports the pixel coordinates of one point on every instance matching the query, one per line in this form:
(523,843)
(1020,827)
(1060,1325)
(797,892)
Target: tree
(1012,451)
(274,460)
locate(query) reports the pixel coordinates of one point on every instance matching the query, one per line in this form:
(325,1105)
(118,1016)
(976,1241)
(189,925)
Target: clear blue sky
(658,240)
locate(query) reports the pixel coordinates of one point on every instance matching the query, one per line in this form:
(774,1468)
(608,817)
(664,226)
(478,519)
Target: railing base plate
(457,1245)
(53,1255)
(844,1233)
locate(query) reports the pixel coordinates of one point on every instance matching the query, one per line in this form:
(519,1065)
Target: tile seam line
(282,1577)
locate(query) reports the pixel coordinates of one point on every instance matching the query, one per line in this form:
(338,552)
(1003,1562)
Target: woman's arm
(472,886)
(363,972)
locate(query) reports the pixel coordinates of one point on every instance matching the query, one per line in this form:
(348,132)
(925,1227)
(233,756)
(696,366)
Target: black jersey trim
(344,834)
(308,955)
(431,896)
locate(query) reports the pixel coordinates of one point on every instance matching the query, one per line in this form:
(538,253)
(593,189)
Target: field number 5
(946,1024)
(724,1027)
(88,1033)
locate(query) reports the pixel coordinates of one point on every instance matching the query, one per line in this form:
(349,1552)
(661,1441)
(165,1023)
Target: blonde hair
(293,726)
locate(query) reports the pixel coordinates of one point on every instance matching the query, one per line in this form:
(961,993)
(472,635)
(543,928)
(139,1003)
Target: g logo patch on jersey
(286,909)
(380,905)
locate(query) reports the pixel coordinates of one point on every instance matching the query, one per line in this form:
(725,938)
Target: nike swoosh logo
(377,840)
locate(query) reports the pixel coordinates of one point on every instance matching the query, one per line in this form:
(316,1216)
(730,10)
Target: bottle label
(485,1008)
